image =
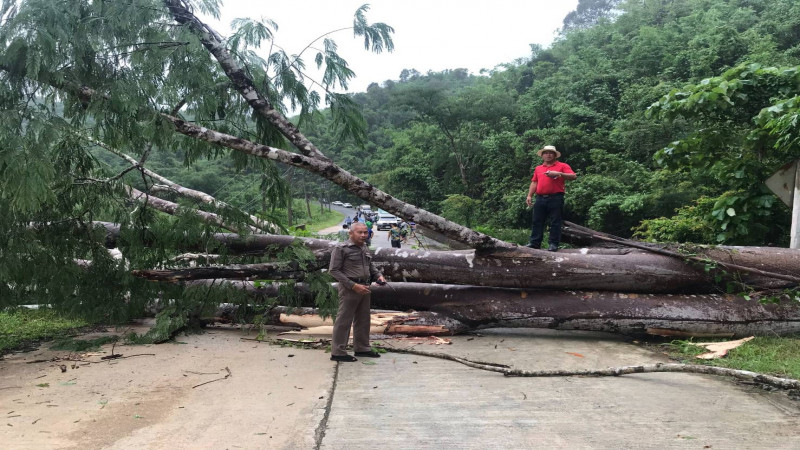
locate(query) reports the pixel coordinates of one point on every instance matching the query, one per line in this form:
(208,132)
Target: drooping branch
(349,182)
(173,208)
(171,186)
(327,170)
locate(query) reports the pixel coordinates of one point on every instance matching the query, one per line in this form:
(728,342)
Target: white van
(385,221)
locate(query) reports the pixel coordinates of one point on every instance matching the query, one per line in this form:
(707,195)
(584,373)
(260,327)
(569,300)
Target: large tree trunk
(632,272)
(461,308)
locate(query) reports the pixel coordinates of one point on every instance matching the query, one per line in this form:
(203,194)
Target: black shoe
(534,246)
(343,358)
(369,354)
(552,248)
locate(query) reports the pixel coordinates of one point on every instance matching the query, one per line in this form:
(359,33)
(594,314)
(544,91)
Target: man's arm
(335,268)
(566,173)
(374,273)
(531,190)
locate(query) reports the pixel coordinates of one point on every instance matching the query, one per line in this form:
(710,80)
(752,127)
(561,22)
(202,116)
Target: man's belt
(549,195)
(359,280)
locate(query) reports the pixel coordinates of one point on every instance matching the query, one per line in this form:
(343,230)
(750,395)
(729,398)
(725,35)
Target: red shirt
(546,185)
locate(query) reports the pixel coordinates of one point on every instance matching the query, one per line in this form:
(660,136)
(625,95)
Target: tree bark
(462,308)
(635,272)
(580,269)
(346,180)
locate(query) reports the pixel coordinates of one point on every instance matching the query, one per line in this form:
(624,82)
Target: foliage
(747,127)
(690,224)
(461,209)
(515,235)
(139,63)
(721,76)
(437,135)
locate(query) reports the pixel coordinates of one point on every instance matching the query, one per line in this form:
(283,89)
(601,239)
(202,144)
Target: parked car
(347,205)
(337,203)
(385,221)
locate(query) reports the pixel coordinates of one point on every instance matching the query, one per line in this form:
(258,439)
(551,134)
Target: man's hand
(360,289)
(528,201)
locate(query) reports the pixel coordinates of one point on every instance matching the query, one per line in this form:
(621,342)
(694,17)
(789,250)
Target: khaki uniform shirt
(351,261)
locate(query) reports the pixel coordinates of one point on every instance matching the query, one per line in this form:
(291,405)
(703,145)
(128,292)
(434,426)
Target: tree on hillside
(589,13)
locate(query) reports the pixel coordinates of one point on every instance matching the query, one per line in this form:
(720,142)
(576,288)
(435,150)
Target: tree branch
(744,375)
(212,41)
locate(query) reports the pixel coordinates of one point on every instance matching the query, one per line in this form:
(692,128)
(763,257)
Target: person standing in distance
(352,266)
(548,185)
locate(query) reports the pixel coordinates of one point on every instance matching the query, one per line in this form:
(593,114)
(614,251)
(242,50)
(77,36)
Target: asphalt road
(381,238)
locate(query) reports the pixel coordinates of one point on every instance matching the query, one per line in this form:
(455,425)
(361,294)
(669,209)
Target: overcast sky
(429,34)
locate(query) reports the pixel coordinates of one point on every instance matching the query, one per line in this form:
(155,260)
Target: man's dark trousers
(547,207)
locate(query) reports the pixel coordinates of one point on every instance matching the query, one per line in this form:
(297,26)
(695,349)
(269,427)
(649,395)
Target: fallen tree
(633,272)
(491,263)
(453,309)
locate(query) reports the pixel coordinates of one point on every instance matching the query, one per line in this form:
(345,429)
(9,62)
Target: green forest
(673,113)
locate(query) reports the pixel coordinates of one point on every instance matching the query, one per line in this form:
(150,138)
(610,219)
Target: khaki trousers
(353,310)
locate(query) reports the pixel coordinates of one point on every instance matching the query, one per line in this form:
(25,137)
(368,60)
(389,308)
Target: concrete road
(413,402)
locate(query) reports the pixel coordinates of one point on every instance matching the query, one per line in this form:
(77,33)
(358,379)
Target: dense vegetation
(464,145)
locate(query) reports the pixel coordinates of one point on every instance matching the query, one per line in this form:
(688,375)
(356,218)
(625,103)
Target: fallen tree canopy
(632,291)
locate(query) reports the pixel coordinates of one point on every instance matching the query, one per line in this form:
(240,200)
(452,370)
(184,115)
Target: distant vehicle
(365,208)
(337,203)
(347,205)
(386,220)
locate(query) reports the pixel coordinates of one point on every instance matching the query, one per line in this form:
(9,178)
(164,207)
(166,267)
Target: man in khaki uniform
(352,266)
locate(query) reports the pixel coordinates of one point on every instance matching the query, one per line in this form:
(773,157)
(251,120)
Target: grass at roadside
(20,326)
(778,356)
(324,220)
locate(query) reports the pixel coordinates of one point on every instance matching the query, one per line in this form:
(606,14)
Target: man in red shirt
(548,185)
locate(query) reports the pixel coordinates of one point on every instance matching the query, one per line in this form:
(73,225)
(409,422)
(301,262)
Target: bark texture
(463,308)
(632,272)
